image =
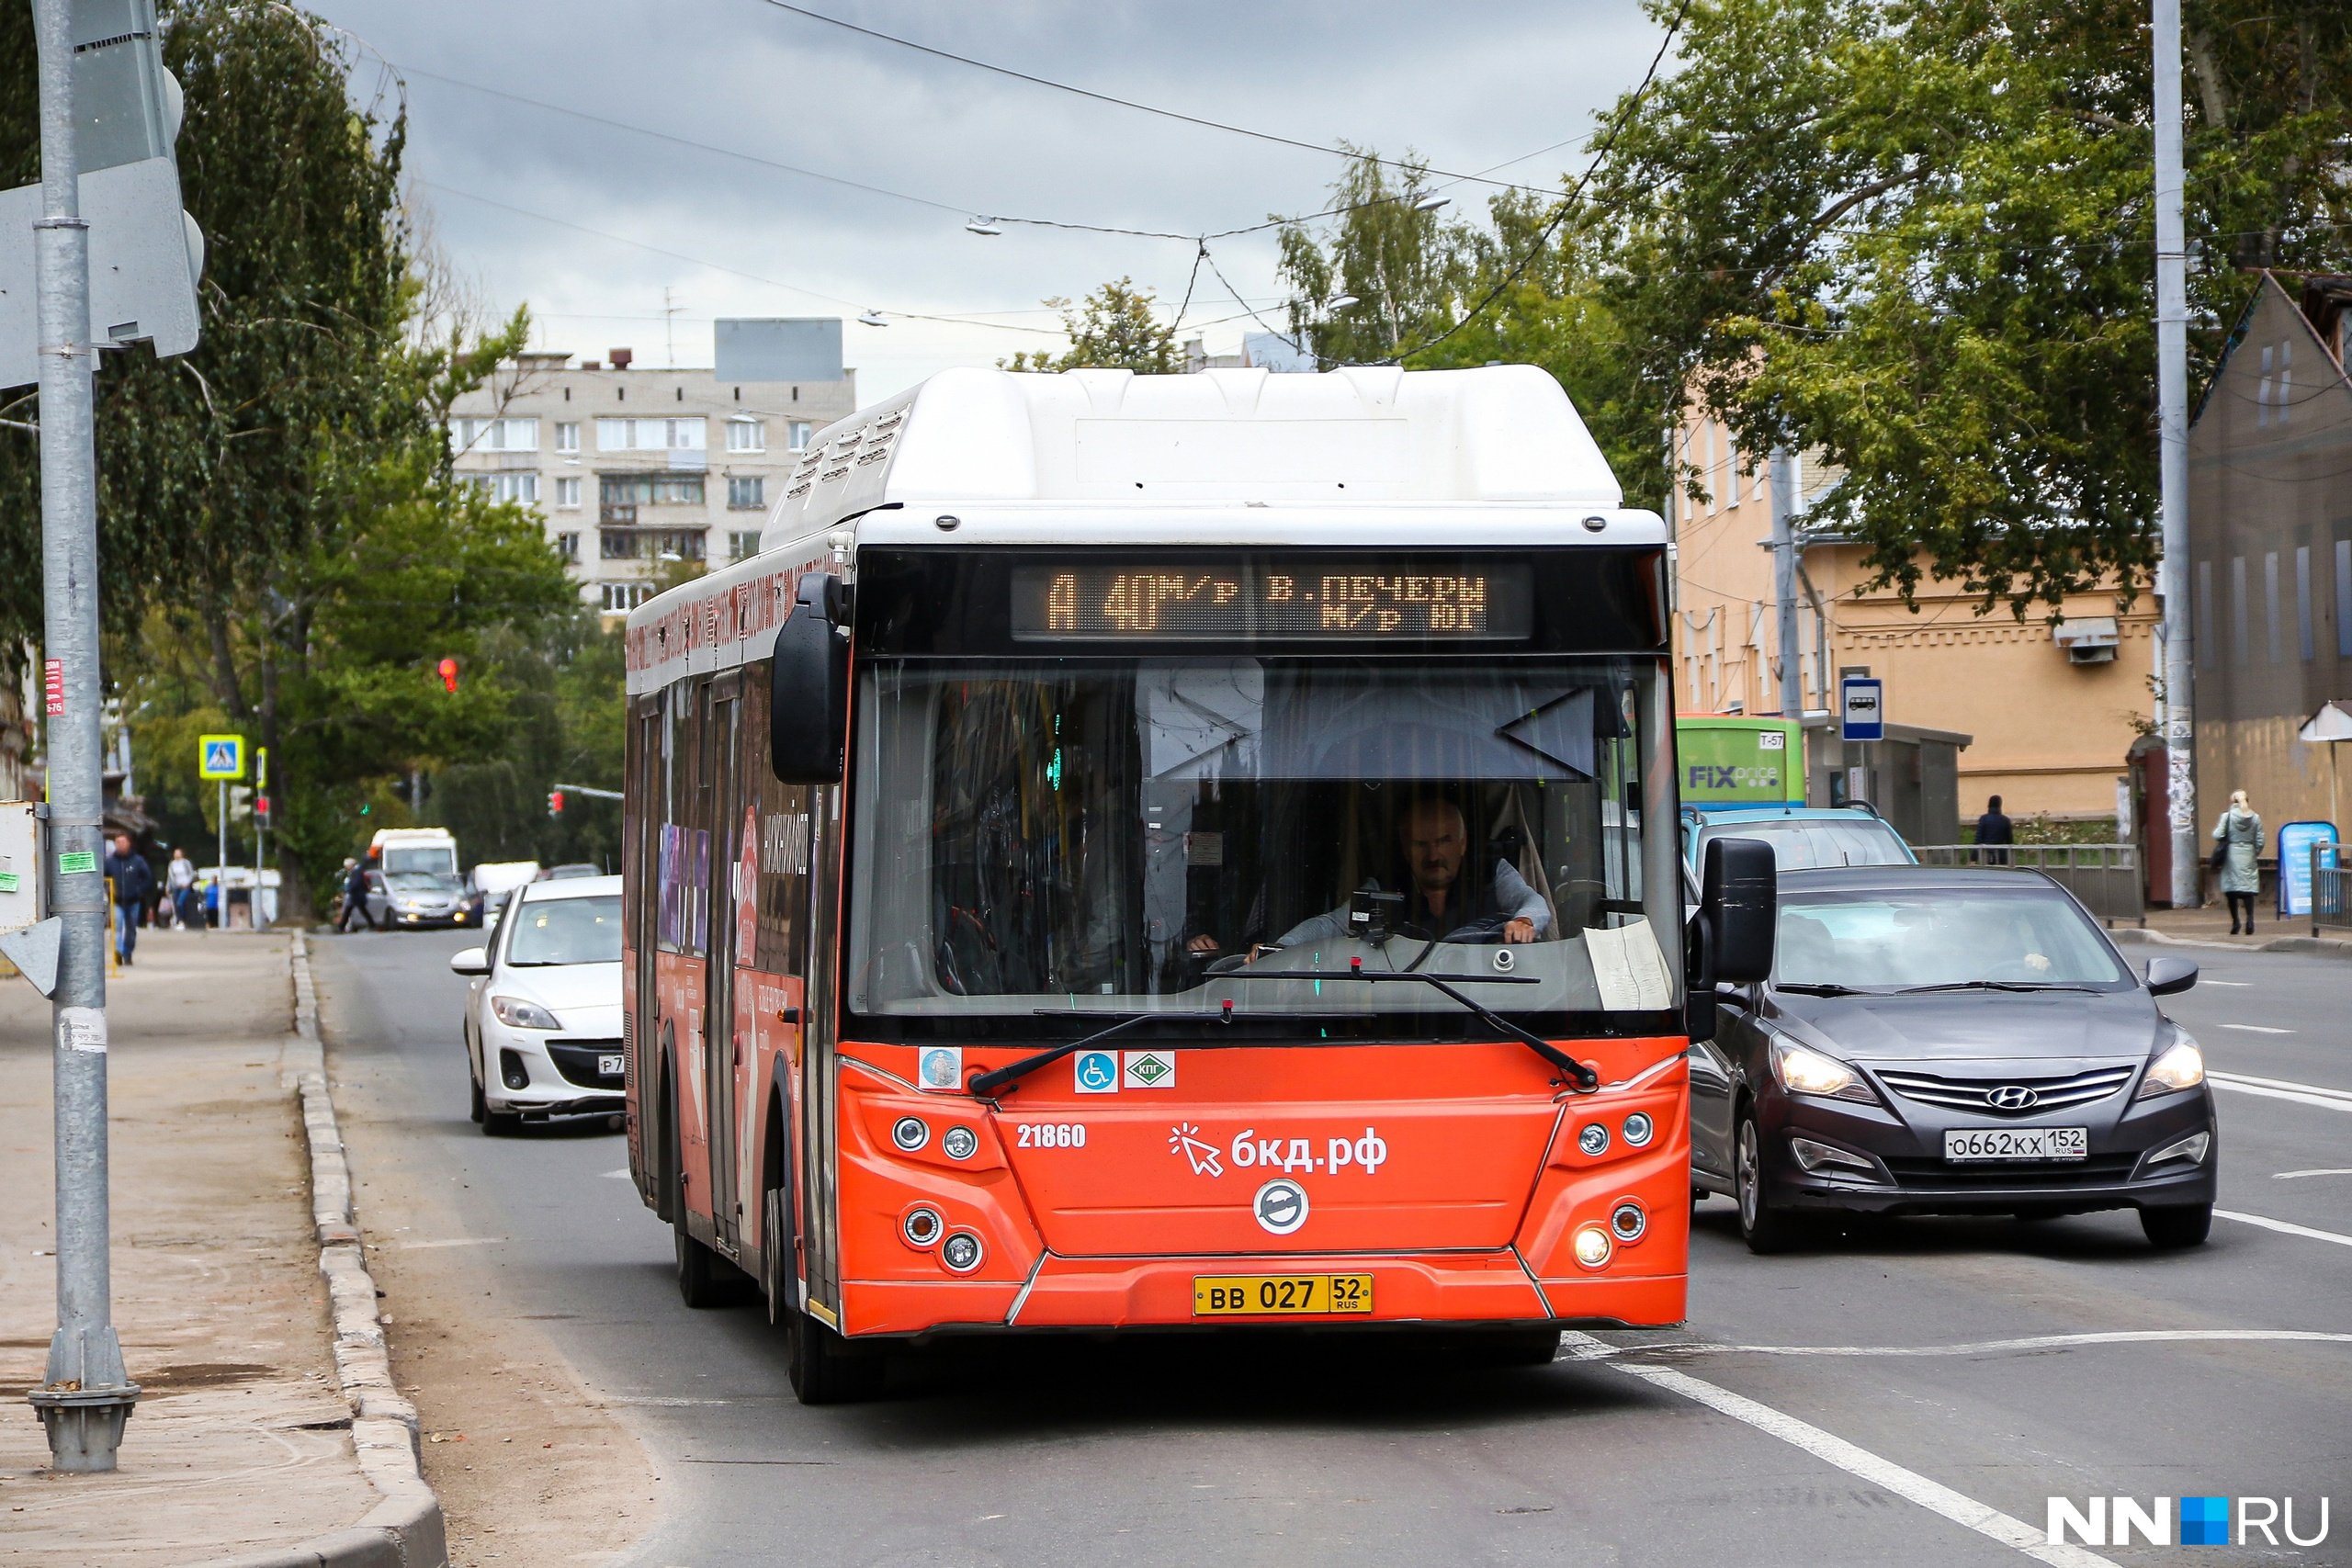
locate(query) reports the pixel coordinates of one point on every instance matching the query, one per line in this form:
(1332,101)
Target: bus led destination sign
(1336,600)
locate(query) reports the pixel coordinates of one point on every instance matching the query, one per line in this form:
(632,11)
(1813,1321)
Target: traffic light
(448,674)
(261,809)
(555,803)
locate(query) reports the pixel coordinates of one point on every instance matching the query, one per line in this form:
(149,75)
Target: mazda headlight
(2180,1066)
(1803,1071)
(516,1013)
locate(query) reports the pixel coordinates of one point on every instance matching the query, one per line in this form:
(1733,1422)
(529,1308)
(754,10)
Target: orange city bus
(1171,852)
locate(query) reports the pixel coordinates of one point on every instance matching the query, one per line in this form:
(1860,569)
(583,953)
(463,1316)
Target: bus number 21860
(1051,1135)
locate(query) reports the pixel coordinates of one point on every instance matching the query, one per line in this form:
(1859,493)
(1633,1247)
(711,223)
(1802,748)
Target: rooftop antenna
(670,327)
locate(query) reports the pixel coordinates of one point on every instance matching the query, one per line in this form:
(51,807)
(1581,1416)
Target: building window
(652,544)
(2270,601)
(2239,632)
(494,435)
(648,435)
(746,435)
(2303,602)
(619,495)
(742,545)
(624,596)
(567,495)
(567,437)
(798,432)
(746,492)
(2286,381)
(521,490)
(567,546)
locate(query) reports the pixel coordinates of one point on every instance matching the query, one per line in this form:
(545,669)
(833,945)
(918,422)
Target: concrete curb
(404,1529)
(2310,946)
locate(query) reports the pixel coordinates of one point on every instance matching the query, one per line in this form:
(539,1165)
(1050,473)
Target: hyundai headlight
(2179,1065)
(516,1013)
(1803,1071)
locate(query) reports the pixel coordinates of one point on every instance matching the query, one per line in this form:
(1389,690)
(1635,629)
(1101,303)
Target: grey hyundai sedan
(1950,1042)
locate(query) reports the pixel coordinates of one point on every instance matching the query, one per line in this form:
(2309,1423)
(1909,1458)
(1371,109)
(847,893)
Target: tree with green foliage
(1411,278)
(284,550)
(1114,328)
(1920,237)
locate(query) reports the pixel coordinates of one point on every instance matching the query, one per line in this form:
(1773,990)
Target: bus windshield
(1151,834)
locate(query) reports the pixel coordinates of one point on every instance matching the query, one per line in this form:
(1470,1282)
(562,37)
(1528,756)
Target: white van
(432,850)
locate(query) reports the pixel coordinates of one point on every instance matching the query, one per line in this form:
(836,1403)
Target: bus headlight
(960,1143)
(1593,1139)
(910,1133)
(961,1252)
(1593,1246)
(922,1227)
(1627,1221)
(1638,1129)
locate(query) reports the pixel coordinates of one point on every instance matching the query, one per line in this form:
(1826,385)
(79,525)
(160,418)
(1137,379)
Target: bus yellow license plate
(1279,1295)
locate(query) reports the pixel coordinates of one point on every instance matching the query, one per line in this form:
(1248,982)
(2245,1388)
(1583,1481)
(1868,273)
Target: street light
(1431,203)
(1342,303)
(872,319)
(984,226)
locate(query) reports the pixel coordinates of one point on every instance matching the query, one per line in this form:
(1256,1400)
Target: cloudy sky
(591,222)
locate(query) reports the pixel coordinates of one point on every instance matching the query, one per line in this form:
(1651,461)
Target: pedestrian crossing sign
(220,756)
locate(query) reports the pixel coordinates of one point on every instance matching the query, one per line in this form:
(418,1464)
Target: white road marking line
(1983,1347)
(2270,1089)
(2257,1029)
(2292,1175)
(1883,1473)
(2283,1227)
(2240,983)
(460,1241)
(2283,1083)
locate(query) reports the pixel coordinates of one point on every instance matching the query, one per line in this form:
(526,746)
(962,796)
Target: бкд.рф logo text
(2204,1522)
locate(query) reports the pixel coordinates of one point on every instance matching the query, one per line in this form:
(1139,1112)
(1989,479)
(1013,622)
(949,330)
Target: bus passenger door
(721,1047)
(819,1146)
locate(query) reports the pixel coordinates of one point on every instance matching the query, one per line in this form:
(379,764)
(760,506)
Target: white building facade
(631,468)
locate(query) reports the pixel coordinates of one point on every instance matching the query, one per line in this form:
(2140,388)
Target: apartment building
(634,468)
(2047,713)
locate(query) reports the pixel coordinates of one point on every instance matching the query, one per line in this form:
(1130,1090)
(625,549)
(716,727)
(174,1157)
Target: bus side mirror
(808,685)
(1738,912)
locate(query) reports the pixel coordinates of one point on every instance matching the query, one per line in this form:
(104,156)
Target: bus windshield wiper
(2028,986)
(1584,1078)
(1815,988)
(986,1085)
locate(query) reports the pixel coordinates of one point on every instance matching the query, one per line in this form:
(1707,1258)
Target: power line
(1130,103)
(1567,202)
(715,267)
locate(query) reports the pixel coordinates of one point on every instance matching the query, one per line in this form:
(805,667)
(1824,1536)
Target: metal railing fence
(2104,877)
(2329,905)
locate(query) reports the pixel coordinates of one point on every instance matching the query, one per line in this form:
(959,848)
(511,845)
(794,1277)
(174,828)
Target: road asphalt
(1860,1402)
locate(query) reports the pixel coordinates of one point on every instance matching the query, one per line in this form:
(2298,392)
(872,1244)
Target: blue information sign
(1861,705)
(2295,841)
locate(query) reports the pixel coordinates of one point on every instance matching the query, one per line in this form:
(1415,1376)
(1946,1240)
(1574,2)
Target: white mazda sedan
(543,1018)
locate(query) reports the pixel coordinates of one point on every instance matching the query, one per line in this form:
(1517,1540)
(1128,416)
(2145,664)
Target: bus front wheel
(825,1368)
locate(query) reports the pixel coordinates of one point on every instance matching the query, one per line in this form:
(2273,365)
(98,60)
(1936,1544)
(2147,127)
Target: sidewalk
(2210,927)
(241,1441)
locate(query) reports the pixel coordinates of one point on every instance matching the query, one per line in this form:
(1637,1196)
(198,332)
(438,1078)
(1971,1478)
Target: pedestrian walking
(1993,827)
(180,882)
(2237,847)
(355,898)
(131,876)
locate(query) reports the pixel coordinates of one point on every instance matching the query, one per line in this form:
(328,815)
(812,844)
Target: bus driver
(1436,843)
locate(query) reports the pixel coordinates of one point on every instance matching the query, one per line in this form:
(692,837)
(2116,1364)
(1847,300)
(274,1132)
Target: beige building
(631,466)
(2048,713)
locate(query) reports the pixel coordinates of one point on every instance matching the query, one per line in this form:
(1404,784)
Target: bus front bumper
(1457,1290)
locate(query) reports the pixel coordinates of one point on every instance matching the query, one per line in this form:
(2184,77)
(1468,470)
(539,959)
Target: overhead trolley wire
(1130,103)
